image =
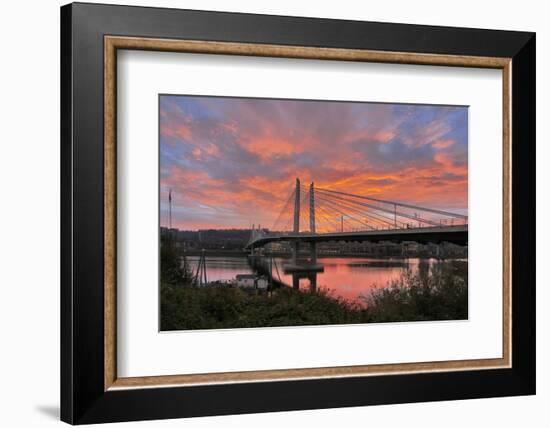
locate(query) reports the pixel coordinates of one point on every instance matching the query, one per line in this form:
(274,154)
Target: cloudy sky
(231,162)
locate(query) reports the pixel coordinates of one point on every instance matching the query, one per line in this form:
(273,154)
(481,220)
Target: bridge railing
(282,234)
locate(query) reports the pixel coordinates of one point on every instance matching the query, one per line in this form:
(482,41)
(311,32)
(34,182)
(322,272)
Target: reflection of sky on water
(346,277)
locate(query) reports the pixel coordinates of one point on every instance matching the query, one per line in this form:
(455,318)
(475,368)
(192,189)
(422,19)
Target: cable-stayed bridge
(315,214)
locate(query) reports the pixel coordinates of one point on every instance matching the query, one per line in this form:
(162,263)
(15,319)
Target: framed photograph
(267,213)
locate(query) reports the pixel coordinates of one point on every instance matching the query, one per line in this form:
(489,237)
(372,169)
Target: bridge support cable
(285,211)
(346,214)
(330,224)
(326,216)
(316,210)
(384,221)
(338,212)
(336,224)
(322,213)
(322,217)
(378,217)
(399,204)
(304,213)
(392,211)
(344,202)
(387,210)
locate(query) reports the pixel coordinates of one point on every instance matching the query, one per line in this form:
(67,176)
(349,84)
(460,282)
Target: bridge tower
(297,207)
(296,230)
(311,208)
(312,245)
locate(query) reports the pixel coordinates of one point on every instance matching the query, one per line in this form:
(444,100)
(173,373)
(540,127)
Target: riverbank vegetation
(433,292)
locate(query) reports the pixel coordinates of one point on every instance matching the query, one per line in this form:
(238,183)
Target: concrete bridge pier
(295,252)
(295,282)
(313,282)
(313,252)
(311,277)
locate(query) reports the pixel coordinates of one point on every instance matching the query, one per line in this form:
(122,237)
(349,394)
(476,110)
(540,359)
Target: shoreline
(241,254)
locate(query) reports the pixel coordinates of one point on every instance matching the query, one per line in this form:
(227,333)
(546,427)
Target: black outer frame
(83,399)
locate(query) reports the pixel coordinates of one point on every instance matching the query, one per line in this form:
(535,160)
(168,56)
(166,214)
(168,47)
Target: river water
(348,277)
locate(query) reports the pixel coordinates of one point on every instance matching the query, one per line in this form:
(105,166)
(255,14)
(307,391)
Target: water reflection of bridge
(267,265)
(341,216)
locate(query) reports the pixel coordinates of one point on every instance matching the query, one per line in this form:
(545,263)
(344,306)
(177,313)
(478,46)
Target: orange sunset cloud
(230,162)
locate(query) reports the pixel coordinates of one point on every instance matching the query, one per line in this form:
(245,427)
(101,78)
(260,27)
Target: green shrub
(439,292)
(174,269)
(436,293)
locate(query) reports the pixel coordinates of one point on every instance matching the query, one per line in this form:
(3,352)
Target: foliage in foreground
(222,307)
(172,270)
(436,293)
(439,292)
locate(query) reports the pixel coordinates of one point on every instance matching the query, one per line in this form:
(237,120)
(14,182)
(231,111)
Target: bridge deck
(453,234)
